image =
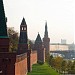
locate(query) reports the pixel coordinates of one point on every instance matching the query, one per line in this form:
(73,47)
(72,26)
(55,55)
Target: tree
(47,57)
(69,64)
(63,66)
(30,44)
(13,36)
(57,63)
(50,60)
(71,67)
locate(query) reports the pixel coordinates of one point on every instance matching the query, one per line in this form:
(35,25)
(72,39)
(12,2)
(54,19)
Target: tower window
(22,28)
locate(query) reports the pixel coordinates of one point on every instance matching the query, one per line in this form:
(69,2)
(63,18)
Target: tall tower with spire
(23,40)
(46,39)
(4,40)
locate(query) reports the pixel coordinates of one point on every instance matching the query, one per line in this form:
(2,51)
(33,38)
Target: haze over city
(59,15)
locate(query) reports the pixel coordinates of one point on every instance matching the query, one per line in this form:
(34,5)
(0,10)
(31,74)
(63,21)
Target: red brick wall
(4,44)
(7,61)
(33,57)
(21,64)
(12,64)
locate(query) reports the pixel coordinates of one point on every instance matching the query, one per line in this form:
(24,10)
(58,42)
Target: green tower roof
(38,39)
(23,22)
(3,28)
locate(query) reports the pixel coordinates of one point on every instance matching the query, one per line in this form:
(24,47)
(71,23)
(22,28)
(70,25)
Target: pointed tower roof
(23,21)
(46,23)
(3,28)
(46,31)
(38,39)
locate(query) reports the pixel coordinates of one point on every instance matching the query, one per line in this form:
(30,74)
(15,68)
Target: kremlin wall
(21,61)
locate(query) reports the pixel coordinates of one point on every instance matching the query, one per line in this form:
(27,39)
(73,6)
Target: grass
(42,70)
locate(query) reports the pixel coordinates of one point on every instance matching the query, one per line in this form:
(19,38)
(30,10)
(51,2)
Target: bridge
(67,54)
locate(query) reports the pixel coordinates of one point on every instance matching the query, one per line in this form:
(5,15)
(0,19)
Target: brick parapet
(21,64)
(33,57)
(21,57)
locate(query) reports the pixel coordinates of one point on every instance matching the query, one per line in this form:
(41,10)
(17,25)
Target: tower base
(4,44)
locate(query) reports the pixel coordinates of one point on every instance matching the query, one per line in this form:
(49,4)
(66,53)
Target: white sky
(58,13)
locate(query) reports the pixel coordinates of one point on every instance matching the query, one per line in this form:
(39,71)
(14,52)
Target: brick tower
(46,39)
(40,50)
(4,40)
(23,40)
(7,59)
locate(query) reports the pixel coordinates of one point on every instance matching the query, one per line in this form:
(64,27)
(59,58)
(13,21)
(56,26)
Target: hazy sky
(58,13)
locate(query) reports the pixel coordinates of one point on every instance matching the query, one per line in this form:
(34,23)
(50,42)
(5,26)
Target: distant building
(63,41)
(61,46)
(58,47)
(71,46)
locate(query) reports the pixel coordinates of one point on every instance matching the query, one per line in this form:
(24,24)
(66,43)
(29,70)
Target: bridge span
(67,54)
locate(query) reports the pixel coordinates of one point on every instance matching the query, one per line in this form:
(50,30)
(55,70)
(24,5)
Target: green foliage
(71,68)
(71,72)
(69,64)
(47,57)
(57,63)
(63,66)
(51,60)
(30,44)
(44,69)
(13,35)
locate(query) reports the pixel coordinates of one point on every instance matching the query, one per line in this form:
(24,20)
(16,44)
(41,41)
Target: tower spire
(23,21)
(46,31)
(3,28)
